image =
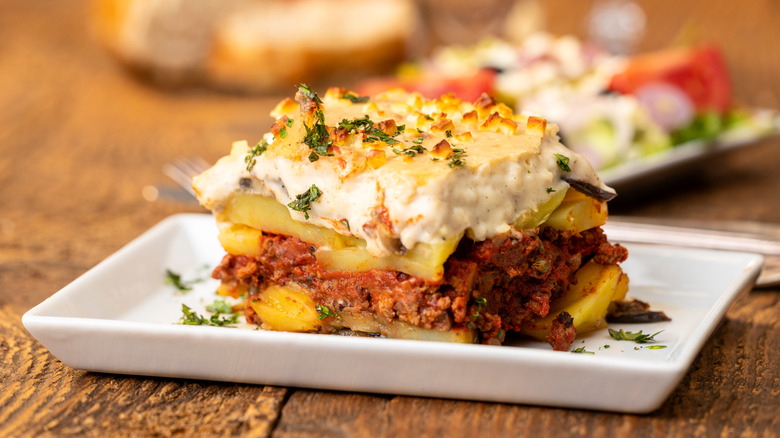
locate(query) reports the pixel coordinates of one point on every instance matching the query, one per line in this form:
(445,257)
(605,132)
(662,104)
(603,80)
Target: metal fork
(184,169)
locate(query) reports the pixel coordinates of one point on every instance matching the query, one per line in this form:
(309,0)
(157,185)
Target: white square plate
(121,317)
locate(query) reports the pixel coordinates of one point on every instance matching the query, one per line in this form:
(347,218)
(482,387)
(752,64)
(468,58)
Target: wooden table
(80,139)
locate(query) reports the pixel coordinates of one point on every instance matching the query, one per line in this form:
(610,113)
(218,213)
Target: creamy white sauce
(425,200)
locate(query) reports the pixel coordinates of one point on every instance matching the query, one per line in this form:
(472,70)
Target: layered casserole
(410,218)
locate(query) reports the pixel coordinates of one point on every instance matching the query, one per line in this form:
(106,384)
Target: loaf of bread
(255,45)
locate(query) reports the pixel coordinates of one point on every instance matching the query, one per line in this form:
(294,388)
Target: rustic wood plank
(41,396)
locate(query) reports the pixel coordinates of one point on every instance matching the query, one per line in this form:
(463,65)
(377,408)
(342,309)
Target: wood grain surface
(80,139)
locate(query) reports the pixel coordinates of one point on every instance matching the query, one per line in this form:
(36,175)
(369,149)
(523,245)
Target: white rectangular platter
(121,317)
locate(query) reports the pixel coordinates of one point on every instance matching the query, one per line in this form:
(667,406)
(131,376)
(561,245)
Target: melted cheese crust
(442,168)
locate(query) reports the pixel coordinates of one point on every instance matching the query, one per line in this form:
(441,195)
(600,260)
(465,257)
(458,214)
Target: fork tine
(183,170)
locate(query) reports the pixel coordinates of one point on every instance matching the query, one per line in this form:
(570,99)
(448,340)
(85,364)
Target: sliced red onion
(667,104)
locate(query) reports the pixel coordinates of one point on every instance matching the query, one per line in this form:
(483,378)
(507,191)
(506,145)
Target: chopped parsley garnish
(448,133)
(305,89)
(550,189)
(638,337)
(250,159)
(355,99)
(377,135)
(355,125)
(456,157)
(563,162)
(656,347)
(317,136)
(373,134)
(324,311)
(303,201)
(191,317)
(219,306)
(411,151)
(481,303)
(176,281)
(582,350)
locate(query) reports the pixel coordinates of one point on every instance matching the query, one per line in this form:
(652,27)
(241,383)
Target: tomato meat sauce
(493,286)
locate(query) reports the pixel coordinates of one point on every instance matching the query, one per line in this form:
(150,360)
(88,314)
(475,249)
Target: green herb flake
(317,135)
(356,125)
(289,122)
(456,157)
(481,304)
(256,151)
(324,311)
(190,317)
(373,134)
(306,90)
(656,347)
(448,133)
(345,223)
(220,306)
(563,162)
(176,281)
(411,151)
(283,132)
(638,337)
(582,350)
(355,99)
(303,201)
(550,189)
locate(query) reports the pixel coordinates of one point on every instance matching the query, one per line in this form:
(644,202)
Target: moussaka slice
(411,218)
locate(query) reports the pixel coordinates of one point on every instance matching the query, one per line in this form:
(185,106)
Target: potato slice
(586,301)
(577,213)
(424,260)
(267,214)
(239,239)
(533,219)
(286,308)
(289,308)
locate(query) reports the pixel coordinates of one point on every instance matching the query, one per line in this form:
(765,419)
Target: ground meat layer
(494,286)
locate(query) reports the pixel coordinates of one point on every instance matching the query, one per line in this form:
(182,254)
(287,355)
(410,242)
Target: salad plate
(682,157)
(123,316)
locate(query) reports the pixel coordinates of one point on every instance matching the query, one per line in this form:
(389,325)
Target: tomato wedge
(700,72)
